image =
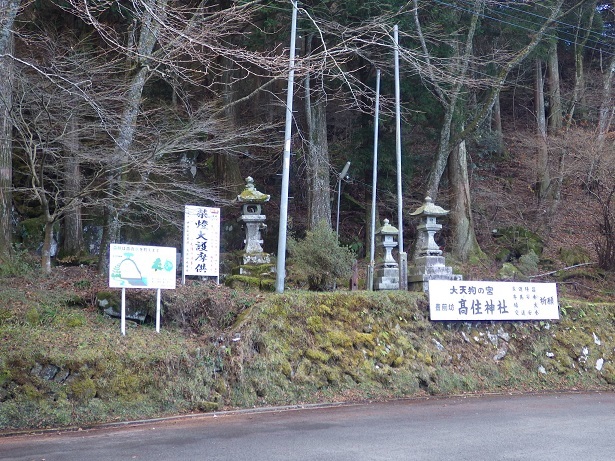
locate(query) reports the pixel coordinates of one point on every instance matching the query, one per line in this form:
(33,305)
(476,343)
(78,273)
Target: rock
(501,353)
(438,345)
(137,308)
(599,364)
(49,372)
(62,376)
(509,272)
(503,334)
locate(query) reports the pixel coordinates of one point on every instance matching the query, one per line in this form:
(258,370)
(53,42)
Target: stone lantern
(387,272)
(429,264)
(255,267)
(254,222)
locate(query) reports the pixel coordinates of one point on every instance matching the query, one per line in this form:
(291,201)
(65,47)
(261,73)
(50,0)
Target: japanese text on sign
(469,301)
(201,241)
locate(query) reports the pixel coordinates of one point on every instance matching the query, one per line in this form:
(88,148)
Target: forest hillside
(114,116)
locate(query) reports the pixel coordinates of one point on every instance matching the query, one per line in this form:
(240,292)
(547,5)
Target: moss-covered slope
(63,364)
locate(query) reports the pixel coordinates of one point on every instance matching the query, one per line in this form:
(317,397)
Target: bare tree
(448,80)
(182,45)
(542,149)
(556,119)
(583,30)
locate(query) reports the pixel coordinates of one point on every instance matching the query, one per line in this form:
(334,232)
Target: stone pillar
(387,272)
(429,264)
(254,222)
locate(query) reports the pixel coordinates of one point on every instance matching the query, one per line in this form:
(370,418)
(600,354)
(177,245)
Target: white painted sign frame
(492,301)
(201,244)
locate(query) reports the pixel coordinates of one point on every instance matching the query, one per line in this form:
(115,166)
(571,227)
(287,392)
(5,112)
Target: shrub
(20,263)
(319,258)
(196,306)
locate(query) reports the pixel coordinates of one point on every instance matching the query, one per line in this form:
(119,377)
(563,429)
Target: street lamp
(341,176)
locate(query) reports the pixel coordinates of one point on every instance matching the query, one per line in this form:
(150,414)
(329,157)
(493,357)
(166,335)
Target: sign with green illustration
(139,266)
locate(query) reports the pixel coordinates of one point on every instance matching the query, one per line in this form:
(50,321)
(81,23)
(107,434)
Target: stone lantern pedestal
(429,264)
(387,272)
(255,268)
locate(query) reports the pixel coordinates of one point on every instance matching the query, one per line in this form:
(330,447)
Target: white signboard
(470,301)
(138,266)
(202,241)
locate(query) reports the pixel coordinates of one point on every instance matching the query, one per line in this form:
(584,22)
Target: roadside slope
(63,364)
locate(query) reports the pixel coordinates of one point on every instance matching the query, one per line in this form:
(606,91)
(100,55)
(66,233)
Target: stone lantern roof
(251,195)
(387,229)
(429,209)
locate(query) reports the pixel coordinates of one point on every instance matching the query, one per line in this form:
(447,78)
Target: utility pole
(281,257)
(403,257)
(372,250)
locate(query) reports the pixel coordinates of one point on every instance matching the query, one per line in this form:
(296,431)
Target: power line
(530,29)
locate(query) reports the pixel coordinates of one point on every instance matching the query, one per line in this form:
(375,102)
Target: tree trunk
(72,228)
(542,153)
(578,94)
(46,249)
(496,125)
(8,12)
(450,106)
(464,245)
(606,108)
(319,197)
(556,123)
(48,230)
(226,165)
(605,118)
(555,97)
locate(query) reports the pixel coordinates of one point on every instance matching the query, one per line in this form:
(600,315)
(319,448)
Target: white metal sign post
(473,301)
(139,266)
(201,250)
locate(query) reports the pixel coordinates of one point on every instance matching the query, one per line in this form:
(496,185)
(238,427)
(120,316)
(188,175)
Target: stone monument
(387,272)
(429,264)
(254,222)
(255,266)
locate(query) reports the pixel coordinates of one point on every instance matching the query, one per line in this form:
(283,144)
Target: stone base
(255,259)
(429,268)
(387,278)
(256,271)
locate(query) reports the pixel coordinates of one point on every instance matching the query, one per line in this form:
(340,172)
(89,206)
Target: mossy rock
(528,263)
(250,281)
(574,255)
(517,241)
(206,406)
(82,389)
(608,373)
(316,355)
(509,272)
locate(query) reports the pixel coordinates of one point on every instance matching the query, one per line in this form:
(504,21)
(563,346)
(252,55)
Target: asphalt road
(558,427)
